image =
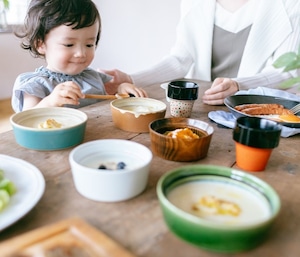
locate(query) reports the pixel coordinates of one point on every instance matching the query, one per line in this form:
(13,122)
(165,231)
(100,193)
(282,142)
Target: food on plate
(112,166)
(50,124)
(263,109)
(289,118)
(276,112)
(246,106)
(7,189)
(214,205)
(184,133)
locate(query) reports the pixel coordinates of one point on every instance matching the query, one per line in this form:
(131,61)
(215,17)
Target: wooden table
(137,224)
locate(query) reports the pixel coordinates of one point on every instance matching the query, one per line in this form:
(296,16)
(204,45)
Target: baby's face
(69,51)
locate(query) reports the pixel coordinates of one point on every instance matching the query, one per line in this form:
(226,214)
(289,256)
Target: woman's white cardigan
(275,31)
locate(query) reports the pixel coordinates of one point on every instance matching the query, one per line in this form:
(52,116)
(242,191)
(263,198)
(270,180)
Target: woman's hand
(128,88)
(220,89)
(119,77)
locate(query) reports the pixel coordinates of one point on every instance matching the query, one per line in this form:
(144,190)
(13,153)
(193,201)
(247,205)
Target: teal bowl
(71,124)
(217,208)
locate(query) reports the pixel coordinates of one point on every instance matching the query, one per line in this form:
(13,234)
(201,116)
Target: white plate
(30,185)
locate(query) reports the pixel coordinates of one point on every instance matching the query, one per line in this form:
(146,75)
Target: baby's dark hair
(45,15)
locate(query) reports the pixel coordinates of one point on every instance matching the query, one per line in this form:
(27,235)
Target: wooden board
(71,237)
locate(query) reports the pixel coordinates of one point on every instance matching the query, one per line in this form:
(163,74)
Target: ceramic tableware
(255,138)
(49,128)
(217,208)
(182,147)
(134,114)
(110,170)
(182,95)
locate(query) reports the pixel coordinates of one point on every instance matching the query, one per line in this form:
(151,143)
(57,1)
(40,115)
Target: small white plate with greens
(24,184)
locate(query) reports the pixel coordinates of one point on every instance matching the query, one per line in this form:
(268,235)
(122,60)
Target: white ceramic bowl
(110,185)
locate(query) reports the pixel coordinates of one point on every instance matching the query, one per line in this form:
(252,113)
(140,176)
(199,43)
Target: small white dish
(107,185)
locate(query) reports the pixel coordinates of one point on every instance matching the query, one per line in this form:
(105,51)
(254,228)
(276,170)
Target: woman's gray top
(227,52)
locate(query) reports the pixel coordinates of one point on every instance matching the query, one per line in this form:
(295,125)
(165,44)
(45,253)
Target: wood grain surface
(137,224)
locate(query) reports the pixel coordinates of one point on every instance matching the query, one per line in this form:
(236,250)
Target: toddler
(65,33)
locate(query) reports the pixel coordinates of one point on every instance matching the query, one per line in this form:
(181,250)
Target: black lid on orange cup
(257,132)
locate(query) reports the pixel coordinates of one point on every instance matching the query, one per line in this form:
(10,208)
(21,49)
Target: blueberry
(121,166)
(102,167)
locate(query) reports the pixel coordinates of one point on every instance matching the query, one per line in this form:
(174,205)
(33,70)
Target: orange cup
(252,158)
(255,138)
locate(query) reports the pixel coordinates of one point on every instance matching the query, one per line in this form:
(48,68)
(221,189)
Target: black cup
(257,132)
(183,90)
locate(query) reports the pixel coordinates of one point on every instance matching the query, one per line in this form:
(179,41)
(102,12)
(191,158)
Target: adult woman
(232,43)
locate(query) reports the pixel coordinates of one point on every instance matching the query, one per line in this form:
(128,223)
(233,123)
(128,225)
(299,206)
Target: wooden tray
(71,238)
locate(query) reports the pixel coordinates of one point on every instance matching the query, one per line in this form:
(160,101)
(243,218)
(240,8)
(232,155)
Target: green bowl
(214,228)
(28,134)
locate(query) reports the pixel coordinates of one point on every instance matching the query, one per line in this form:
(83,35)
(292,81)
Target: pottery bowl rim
(117,104)
(250,180)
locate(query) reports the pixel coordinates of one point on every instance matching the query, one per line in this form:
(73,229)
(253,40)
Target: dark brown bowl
(179,149)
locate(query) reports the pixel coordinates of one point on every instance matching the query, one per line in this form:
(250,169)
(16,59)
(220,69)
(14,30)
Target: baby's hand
(128,88)
(65,93)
